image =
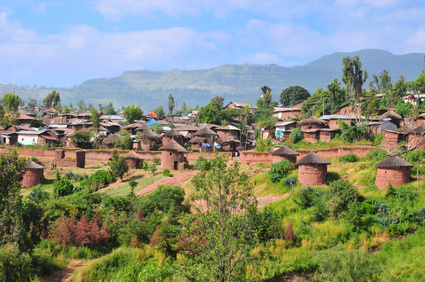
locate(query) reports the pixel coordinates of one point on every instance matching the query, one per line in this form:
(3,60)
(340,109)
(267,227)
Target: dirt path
(176,180)
(73,266)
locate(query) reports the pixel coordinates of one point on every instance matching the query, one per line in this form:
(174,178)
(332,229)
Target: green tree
(280,170)
(293,94)
(95,118)
(52,99)
(218,99)
(81,106)
(416,157)
(385,81)
(11,104)
(184,109)
(354,77)
(159,111)
(32,104)
(81,139)
(171,104)
(118,165)
(227,221)
(132,113)
(211,113)
(399,88)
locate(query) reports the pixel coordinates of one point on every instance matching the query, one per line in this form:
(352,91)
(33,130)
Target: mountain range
(239,83)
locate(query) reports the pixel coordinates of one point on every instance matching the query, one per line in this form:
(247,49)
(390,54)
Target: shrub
(280,170)
(102,176)
(202,164)
(152,168)
(350,158)
(166,172)
(296,135)
(345,193)
(406,193)
(290,182)
(164,198)
(307,197)
(145,166)
(62,188)
(156,160)
(332,176)
(263,146)
(377,155)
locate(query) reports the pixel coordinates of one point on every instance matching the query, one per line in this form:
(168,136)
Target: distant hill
(239,83)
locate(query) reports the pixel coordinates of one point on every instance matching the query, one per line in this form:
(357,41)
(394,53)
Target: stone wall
(395,176)
(312,174)
(32,178)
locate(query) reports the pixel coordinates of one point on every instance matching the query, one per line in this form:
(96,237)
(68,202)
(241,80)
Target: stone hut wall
(136,163)
(168,158)
(32,178)
(310,137)
(277,159)
(312,174)
(390,139)
(325,136)
(413,140)
(395,176)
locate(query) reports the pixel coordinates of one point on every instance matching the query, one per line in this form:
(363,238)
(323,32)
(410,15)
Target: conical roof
(173,133)
(284,151)
(110,138)
(187,127)
(174,146)
(312,158)
(150,134)
(419,130)
(393,162)
(33,165)
(205,132)
(390,114)
(197,140)
(132,155)
(142,127)
(311,120)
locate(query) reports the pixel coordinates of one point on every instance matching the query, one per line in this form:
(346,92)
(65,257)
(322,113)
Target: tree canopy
(132,113)
(52,99)
(293,94)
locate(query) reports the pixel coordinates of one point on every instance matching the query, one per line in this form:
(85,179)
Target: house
(311,123)
(235,105)
(288,112)
(394,171)
(391,116)
(312,169)
(8,138)
(283,129)
(39,138)
(227,133)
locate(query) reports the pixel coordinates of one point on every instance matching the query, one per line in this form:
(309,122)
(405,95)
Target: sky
(63,43)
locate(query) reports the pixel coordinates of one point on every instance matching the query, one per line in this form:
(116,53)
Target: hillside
(235,82)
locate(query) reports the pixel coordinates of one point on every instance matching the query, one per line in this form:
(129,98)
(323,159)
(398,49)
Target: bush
(345,193)
(350,158)
(263,146)
(307,197)
(156,160)
(164,198)
(406,193)
(166,172)
(290,182)
(332,176)
(377,155)
(296,135)
(280,170)
(202,164)
(152,168)
(62,188)
(102,176)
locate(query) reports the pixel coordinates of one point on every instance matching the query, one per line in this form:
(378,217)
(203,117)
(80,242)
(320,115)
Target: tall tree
(218,99)
(385,81)
(11,104)
(132,113)
(354,77)
(32,104)
(171,104)
(227,219)
(81,105)
(52,99)
(118,165)
(159,111)
(293,94)
(95,118)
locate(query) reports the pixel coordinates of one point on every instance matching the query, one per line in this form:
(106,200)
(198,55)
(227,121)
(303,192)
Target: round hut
(284,153)
(173,156)
(148,140)
(187,130)
(196,142)
(313,169)
(133,159)
(393,170)
(108,142)
(312,123)
(34,175)
(173,135)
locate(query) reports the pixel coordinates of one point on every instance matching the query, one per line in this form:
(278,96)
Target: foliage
(290,182)
(164,198)
(156,160)
(167,173)
(152,168)
(350,158)
(202,163)
(293,94)
(307,197)
(62,188)
(228,219)
(171,104)
(132,113)
(280,170)
(377,154)
(403,109)
(352,132)
(296,135)
(52,99)
(213,113)
(354,76)
(343,193)
(14,264)
(263,146)
(95,118)
(159,111)
(81,139)
(118,165)
(157,128)
(268,224)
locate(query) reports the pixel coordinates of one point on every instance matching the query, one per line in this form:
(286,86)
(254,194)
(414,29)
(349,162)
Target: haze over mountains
(240,83)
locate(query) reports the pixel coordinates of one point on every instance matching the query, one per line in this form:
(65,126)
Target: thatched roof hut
(284,153)
(312,169)
(394,171)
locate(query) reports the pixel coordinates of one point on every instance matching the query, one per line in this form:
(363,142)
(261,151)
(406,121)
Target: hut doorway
(176,165)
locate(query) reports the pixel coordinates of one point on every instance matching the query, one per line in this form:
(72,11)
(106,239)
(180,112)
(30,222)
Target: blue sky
(63,43)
